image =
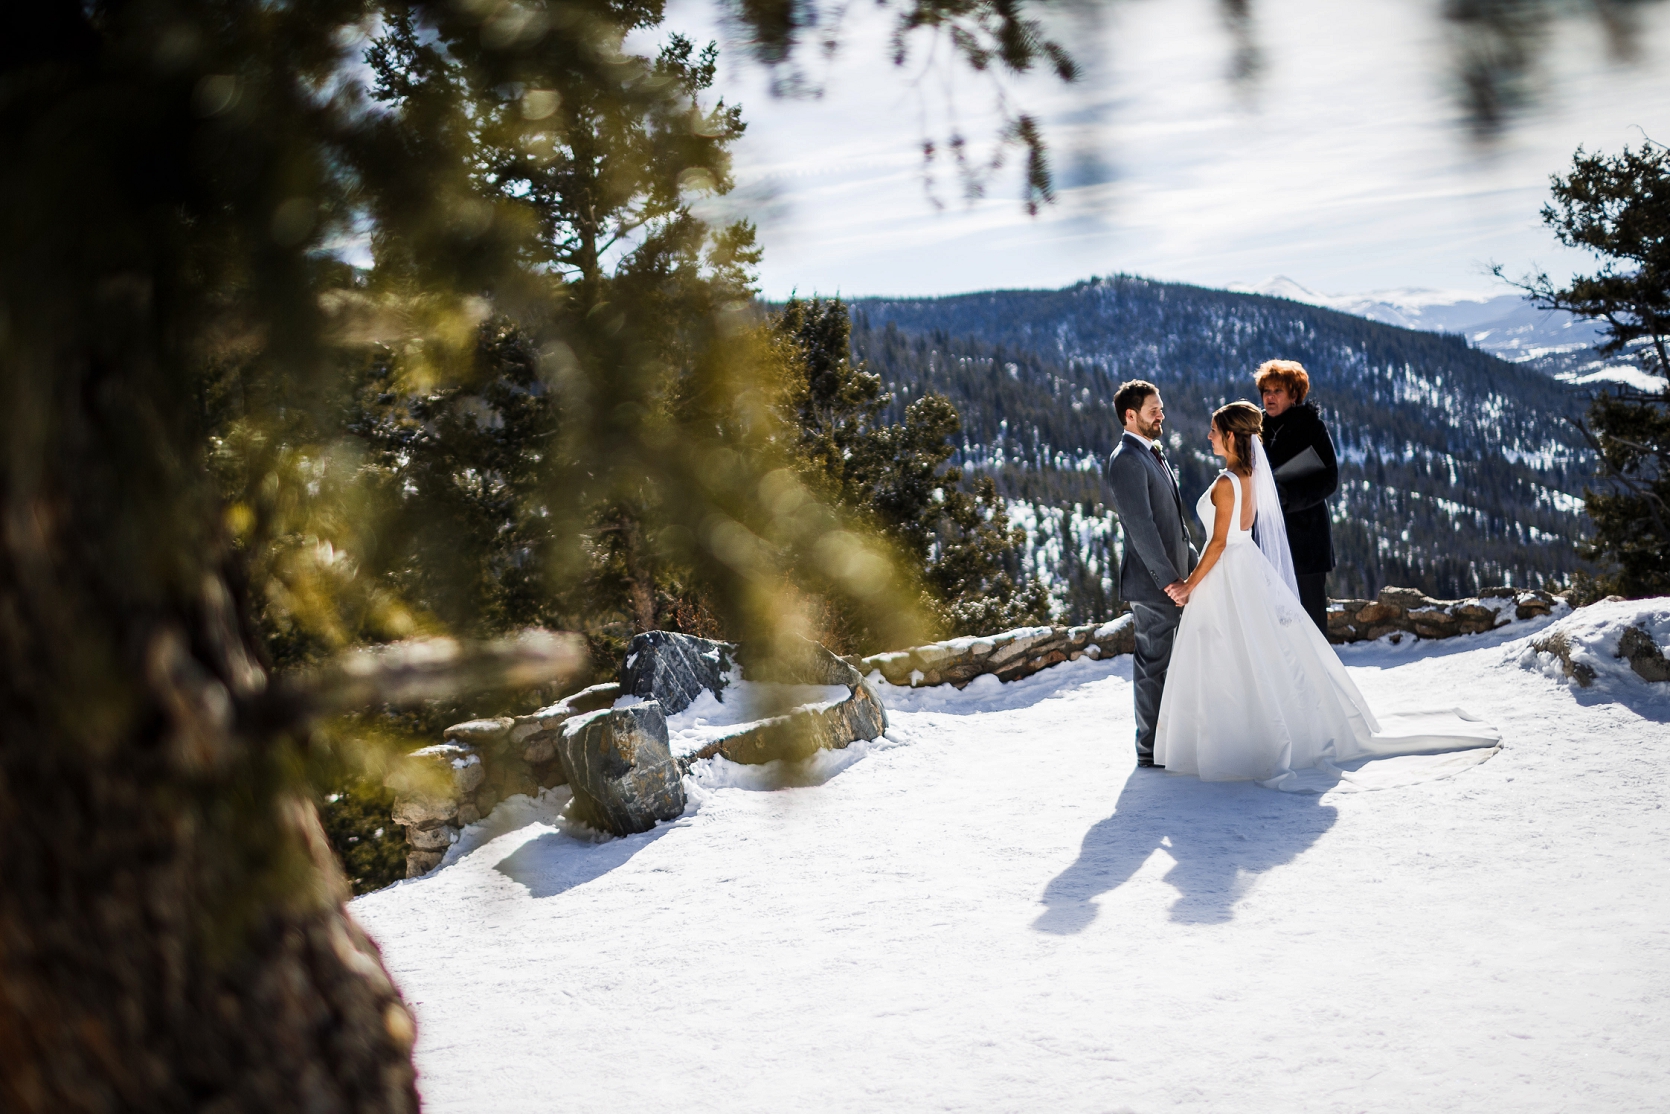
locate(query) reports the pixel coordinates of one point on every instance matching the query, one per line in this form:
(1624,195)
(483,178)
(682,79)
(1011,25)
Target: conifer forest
(1457,469)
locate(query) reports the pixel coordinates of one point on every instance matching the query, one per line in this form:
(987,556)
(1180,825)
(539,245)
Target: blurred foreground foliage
(229,457)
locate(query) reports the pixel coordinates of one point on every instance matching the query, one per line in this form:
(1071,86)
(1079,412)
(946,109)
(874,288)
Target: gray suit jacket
(1150,509)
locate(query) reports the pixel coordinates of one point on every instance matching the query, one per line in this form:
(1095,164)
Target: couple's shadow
(1220,834)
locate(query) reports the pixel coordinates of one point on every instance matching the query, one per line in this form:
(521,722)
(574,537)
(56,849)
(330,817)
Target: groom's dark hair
(1131,395)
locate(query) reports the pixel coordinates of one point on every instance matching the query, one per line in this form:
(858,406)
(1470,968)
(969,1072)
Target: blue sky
(1345,167)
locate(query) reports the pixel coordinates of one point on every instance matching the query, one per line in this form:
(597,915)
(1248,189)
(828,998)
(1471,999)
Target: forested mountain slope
(1457,469)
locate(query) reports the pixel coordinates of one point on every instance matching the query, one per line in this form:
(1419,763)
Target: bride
(1254,691)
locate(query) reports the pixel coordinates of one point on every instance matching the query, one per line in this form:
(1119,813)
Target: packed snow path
(992,910)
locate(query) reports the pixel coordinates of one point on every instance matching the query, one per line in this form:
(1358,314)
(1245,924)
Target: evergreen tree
(1618,208)
(893,477)
(180,495)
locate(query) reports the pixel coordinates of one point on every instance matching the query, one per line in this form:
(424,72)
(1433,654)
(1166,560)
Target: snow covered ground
(991,910)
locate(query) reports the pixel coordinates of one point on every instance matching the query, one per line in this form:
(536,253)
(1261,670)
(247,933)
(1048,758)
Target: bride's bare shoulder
(1222,487)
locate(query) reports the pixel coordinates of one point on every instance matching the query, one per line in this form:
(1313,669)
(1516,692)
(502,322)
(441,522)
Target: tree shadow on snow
(1221,834)
(554,863)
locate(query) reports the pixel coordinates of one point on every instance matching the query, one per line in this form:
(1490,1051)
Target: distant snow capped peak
(1505,325)
(1406,306)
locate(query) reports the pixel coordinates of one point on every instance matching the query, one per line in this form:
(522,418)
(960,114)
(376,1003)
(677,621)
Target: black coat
(1303,501)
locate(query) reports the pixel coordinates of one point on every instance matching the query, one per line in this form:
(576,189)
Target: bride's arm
(1223,504)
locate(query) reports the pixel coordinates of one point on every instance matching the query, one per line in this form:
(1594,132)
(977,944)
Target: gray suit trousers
(1156,628)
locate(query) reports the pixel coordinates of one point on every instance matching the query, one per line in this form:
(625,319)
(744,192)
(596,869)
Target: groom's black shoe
(1148,764)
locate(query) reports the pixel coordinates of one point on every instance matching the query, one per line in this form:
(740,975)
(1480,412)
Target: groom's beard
(1152,432)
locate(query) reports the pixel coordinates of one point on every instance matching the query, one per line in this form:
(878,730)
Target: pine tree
(893,477)
(1618,208)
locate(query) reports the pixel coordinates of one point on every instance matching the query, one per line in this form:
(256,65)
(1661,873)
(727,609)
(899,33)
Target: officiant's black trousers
(1313,596)
(1156,630)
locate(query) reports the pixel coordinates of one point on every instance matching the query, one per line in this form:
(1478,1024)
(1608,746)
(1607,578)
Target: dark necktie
(1161,461)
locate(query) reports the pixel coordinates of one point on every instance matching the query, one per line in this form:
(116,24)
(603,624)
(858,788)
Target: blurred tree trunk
(173,935)
(172,928)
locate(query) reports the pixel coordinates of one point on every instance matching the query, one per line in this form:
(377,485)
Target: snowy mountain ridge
(1508,326)
(1459,470)
(1505,325)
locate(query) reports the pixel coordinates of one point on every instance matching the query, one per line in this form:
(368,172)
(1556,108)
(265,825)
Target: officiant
(1307,472)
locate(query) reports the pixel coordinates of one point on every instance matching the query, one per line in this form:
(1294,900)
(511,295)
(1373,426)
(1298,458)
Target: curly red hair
(1284,374)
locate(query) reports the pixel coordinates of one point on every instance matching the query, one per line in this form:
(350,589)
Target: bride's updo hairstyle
(1238,423)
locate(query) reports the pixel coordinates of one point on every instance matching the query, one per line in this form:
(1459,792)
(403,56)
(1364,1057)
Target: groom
(1158,554)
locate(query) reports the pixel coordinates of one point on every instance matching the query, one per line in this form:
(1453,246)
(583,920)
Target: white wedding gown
(1255,692)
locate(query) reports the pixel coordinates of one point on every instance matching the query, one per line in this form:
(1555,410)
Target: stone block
(805,731)
(425,798)
(537,734)
(1405,598)
(1378,612)
(432,839)
(479,730)
(894,666)
(963,671)
(673,669)
(1644,657)
(541,748)
(419,863)
(932,656)
(1018,647)
(424,812)
(622,772)
(592,698)
(1117,637)
(549,773)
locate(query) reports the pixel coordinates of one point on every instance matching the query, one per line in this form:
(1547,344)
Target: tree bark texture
(173,933)
(173,930)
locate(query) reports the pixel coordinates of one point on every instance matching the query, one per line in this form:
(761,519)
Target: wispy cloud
(1346,165)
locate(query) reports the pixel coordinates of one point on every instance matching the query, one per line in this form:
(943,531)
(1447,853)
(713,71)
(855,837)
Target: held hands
(1179,591)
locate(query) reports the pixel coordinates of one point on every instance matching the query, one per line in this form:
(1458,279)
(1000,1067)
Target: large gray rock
(673,669)
(622,772)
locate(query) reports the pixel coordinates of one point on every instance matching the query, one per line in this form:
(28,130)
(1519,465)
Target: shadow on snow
(1219,833)
(554,862)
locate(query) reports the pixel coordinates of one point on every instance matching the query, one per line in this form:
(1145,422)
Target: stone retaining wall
(616,759)
(1400,611)
(1008,656)
(450,786)
(1021,653)
(480,763)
